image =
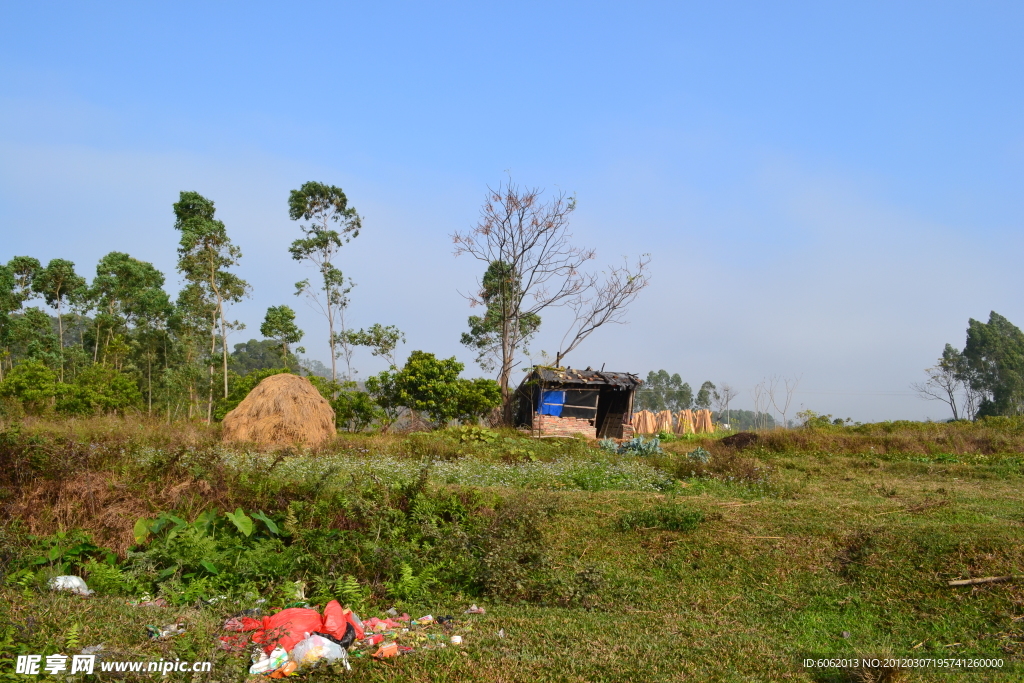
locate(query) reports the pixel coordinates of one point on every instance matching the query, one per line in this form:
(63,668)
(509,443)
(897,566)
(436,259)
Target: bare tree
(526,244)
(723,399)
(951,376)
(760,394)
(780,393)
(942,385)
(603,302)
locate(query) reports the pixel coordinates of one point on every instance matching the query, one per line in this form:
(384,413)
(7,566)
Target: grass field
(791,549)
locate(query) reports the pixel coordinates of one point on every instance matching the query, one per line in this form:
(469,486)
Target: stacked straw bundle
(703,423)
(684,425)
(663,422)
(644,422)
(282,410)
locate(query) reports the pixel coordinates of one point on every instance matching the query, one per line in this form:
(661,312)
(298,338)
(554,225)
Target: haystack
(685,422)
(282,410)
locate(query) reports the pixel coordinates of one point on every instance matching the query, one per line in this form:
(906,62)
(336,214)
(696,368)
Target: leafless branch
(605,302)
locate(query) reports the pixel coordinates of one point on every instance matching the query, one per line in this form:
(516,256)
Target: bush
(33,384)
(100,389)
(432,387)
(664,517)
(96,389)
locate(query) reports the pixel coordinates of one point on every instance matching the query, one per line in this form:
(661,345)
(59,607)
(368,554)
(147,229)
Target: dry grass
(282,410)
(100,503)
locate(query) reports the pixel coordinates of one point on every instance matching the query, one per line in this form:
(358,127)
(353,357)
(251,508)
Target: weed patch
(664,517)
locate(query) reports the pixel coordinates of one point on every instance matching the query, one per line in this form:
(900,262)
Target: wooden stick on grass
(974,582)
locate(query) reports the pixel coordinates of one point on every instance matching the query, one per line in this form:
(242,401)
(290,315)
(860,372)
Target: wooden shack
(565,402)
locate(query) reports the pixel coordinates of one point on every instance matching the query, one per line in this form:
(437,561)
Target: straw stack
(663,422)
(643,422)
(282,410)
(703,423)
(685,423)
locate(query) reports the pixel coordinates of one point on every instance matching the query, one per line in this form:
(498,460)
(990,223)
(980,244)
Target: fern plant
(350,593)
(73,638)
(408,586)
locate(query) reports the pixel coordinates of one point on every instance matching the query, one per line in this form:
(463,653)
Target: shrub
(33,384)
(666,517)
(100,389)
(432,387)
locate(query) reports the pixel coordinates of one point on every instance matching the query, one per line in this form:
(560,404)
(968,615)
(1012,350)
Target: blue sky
(828,190)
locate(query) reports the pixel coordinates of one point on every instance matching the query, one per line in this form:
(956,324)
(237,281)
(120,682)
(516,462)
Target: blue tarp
(551,403)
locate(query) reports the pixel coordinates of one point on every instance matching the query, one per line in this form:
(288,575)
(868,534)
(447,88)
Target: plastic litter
(315,648)
(271,663)
(309,637)
(166,631)
(72,584)
(387,650)
(147,602)
(473,609)
(501,633)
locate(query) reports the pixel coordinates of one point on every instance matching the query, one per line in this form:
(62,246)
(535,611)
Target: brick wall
(551,425)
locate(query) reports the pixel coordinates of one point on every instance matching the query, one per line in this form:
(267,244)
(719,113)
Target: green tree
(500,289)
(258,354)
(279,325)
(126,292)
(205,253)
(661,391)
(332,223)
(32,337)
(8,304)
(432,387)
(24,269)
(994,356)
(382,340)
(705,395)
(58,284)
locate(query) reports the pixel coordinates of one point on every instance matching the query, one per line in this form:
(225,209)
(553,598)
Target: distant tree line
(118,342)
(662,391)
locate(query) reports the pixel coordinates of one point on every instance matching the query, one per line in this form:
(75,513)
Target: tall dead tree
(526,240)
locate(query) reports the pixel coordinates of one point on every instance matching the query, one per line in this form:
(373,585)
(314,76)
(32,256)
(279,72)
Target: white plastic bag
(314,648)
(270,664)
(75,584)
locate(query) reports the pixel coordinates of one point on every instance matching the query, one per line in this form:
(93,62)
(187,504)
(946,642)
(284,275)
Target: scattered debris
(72,584)
(501,633)
(306,637)
(147,602)
(975,582)
(316,648)
(166,631)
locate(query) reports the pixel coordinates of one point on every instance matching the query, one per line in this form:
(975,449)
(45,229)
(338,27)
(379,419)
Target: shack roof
(550,375)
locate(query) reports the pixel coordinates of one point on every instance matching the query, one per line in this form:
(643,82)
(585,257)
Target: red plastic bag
(287,628)
(336,620)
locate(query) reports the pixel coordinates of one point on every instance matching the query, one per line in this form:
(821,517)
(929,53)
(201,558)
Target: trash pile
(299,638)
(71,584)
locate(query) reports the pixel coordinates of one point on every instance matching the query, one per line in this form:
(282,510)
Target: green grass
(718,580)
